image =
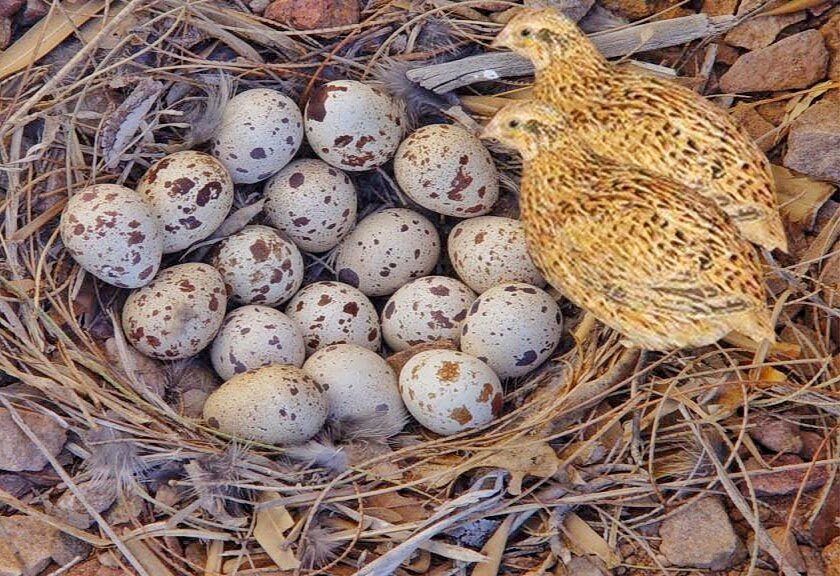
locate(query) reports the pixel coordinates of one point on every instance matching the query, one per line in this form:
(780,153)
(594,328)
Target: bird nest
(593,451)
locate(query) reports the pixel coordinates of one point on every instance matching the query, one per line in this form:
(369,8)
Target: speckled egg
(111,232)
(449,392)
(352,125)
(261,130)
(334,313)
(259,266)
(176,315)
(386,250)
(254,336)
(426,309)
(360,386)
(448,170)
(313,203)
(274,404)
(190,193)
(513,328)
(490,250)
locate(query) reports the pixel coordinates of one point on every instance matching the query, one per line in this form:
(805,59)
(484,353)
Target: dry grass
(588,457)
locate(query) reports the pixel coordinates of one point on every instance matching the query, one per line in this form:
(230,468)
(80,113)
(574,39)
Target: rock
(786,542)
(813,445)
(17,453)
(314,14)
(193,382)
(99,495)
(584,566)
(727,54)
(831,34)
(814,141)
(92,567)
(14,484)
(9,8)
(5,33)
(759,32)
(831,558)
(399,359)
(755,125)
(825,526)
(34,11)
(574,9)
(784,482)
(813,561)
(776,434)
(798,61)
(148,373)
(719,7)
(28,545)
(258,6)
(706,526)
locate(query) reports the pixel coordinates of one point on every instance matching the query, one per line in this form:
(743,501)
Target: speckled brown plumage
(648,121)
(662,266)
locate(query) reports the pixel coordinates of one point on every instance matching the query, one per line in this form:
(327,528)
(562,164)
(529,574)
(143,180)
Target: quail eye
(525,32)
(513,124)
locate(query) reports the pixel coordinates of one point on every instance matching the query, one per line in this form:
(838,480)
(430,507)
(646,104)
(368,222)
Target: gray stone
(17,453)
(700,535)
(99,495)
(759,32)
(814,141)
(27,546)
(776,434)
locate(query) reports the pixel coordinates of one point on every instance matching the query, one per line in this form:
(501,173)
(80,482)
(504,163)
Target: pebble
(825,527)
(705,524)
(798,61)
(831,34)
(573,9)
(99,495)
(755,125)
(785,482)
(719,7)
(10,7)
(28,546)
(314,14)
(831,558)
(776,434)
(813,146)
(760,32)
(17,452)
(786,542)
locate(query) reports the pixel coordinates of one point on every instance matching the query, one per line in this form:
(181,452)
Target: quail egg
(513,328)
(260,132)
(334,313)
(176,315)
(448,170)
(360,385)
(254,336)
(449,392)
(259,266)
(111,232)
(274,404)
(352,125)
(313,203)
(425,309)
(386,250)
(490,250)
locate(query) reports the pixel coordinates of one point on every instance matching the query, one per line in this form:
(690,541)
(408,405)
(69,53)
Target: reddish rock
(813,561)
(759,32)
(34,11)
(825,526)
(10,7)
(705,524)
(831,558)
(814,446)
(776,434)
(17,452)
(314,14)
(5,33)
(784,482)
(831,34)
(814,141)
(786,542)
(719,7)
(795,62)
(756,126)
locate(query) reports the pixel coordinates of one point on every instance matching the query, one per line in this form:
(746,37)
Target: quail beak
(489,131)
(500,42)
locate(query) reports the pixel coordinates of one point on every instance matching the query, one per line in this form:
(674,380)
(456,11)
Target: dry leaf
(120,128)
(589,541)
(494,548)
(800,198)
(271,524)
(396,508)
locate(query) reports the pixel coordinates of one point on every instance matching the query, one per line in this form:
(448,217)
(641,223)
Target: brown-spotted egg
(260,132)
(513,328)
(490,250)
(177,314)
(425,309)
(254,336)
(448,170)
(334,313)
(259,266)
(449,392)
(275,404)
(313,203)
(352,125)
(111,232)
(386,250)
(190,193)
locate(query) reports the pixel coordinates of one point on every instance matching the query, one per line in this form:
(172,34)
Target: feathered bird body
(662,266)
(653,123)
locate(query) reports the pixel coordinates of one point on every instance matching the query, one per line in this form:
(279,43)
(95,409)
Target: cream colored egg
(513,328)
(313,203)
(260,132)
(425,309)
(111,232)
(490,250)
(259,266)
(448,170)
(190,193)
(254,336)
(386,250)
(361,387)
(334,313)
(352,125)
(274,404)
(176,315)
(449,392)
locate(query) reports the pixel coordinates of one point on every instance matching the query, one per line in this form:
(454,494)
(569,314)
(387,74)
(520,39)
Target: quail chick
(664,267)
(649,122)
